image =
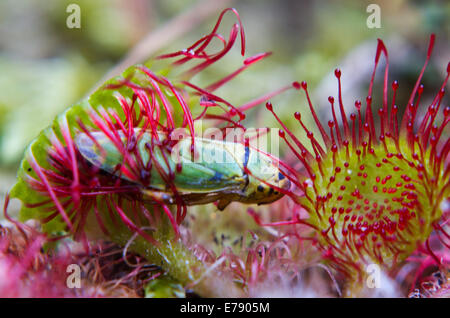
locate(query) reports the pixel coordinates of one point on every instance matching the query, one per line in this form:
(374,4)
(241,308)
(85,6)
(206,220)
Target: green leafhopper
(226,172)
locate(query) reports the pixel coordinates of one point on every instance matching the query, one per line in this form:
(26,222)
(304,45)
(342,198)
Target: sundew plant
(375,193)
(128,167)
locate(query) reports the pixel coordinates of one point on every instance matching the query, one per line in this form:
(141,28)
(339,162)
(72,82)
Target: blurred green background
(45,66)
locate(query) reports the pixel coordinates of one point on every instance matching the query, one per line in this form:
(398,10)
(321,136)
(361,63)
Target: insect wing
(213,167)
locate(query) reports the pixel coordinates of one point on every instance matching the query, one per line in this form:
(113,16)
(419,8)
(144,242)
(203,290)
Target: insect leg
(159,196)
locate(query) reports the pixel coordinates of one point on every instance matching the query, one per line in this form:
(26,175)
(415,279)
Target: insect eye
(260,188)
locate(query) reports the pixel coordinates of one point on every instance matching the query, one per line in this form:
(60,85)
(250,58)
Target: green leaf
(164,287)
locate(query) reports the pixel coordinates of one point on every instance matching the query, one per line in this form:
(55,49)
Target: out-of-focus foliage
(45,87)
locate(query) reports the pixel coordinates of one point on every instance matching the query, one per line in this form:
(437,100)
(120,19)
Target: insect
(220,171)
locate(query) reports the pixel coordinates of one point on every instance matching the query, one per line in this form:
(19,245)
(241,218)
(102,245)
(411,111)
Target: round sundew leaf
(376,192)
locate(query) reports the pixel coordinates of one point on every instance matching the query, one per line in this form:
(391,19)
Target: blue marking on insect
(217,176)
(246,156)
